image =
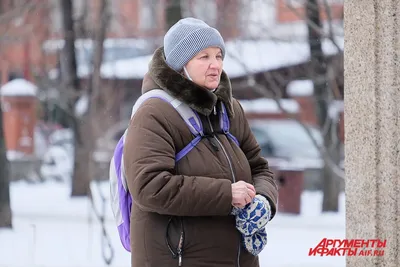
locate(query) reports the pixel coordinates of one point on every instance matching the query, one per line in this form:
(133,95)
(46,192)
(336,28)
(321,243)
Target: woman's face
(205,68)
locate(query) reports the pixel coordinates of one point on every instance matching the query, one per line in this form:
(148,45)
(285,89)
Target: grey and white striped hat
(188,37)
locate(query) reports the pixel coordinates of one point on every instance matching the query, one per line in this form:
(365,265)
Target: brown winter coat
(196,192)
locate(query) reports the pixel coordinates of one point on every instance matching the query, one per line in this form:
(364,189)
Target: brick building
(32,34)
(25,28)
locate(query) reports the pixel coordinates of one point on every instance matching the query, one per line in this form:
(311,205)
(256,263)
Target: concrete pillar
(372,126)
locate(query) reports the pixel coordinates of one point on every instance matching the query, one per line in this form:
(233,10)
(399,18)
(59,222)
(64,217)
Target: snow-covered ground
(53,230)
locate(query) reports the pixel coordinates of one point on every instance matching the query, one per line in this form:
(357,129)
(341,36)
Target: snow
(82,105)
(296,163)
(247,57)
(335,108)
(58,44)
(57,163)
(53,230)
(18,87)
(58,159)
(242,58)
(268,105)
(13,155)
(134,68)
(300,88)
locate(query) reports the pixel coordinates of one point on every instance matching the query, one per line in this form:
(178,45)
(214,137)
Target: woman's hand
(242,194)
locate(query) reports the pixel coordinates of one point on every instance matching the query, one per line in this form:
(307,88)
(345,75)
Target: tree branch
(315,27)
(262,90)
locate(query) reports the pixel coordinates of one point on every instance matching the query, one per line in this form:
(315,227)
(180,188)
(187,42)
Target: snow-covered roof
(57,44)
(247,57)
(300,88)
(242,57)
(268,105)
(18,87)
(134,68)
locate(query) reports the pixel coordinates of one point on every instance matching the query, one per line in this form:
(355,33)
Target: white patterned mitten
(254,216)
(256,242)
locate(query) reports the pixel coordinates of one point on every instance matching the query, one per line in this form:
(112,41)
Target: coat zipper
(223,149)
(232,172)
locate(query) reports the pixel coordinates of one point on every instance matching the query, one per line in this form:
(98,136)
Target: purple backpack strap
(225,124)
(190,117)
(193,121)
(121,200)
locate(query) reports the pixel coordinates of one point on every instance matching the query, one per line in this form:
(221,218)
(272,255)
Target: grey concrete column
(372,126)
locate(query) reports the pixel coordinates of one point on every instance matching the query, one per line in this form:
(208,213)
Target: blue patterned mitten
(254,216)
(256,242)
(235,211)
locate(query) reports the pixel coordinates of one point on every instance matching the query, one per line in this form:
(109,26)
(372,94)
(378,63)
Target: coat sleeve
(149,160)
(263,178)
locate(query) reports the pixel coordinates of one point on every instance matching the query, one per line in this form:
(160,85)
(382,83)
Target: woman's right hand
(242,194)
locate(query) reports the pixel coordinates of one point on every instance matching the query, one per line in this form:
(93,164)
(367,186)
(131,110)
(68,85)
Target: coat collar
(200,99)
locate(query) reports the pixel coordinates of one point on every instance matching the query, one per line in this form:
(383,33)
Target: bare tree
(5,209)
(173,12)
(97,103)
(322,73)
(323,96)
(83,124)
(7,38)
(72,90)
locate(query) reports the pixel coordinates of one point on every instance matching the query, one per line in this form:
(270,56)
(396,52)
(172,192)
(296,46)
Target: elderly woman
(186,213)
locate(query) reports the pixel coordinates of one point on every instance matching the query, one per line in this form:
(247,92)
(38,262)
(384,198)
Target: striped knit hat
(188,37)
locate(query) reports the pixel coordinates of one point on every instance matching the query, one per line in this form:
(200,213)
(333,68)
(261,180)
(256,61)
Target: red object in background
(290,183)
(18,102)
(27,60)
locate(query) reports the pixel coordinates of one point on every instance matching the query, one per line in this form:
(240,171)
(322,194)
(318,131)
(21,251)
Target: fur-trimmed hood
(200,99)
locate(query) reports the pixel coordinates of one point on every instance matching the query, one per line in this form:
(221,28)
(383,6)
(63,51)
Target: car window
(265,144)
(288,138)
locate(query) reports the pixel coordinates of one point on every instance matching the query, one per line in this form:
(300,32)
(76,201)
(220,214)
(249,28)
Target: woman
(182,212)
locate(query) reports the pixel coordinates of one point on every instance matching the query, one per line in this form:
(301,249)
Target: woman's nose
(215,64)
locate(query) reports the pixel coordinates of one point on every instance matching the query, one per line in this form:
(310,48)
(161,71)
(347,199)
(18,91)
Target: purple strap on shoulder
(225,125)
(187,148)
(233,138)
(195,125)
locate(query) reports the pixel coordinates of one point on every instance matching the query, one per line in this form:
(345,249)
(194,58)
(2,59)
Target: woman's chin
(211,86)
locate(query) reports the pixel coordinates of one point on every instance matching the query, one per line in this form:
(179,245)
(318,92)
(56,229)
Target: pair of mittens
(251,222)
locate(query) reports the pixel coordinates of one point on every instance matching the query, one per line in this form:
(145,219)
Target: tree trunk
(70,81)
(173,12)
(331,183)
(97,99)
(5,208)
(68,61)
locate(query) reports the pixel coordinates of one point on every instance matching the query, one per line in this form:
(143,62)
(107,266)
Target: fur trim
(200,99)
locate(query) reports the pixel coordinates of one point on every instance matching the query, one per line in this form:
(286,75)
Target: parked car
(285,143)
